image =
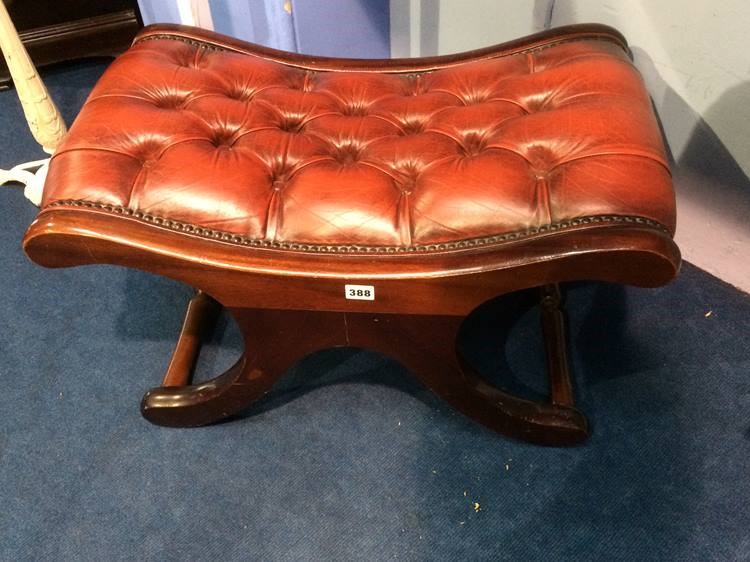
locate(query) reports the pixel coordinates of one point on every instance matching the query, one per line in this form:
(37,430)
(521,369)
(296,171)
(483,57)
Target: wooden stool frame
(288,304)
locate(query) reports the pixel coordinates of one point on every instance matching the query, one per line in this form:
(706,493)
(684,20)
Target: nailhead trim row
(193,42)
(239,240)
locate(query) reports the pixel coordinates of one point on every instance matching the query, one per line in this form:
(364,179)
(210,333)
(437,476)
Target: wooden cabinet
(55,31)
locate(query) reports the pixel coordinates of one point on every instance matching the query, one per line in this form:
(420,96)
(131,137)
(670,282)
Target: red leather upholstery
(192,129)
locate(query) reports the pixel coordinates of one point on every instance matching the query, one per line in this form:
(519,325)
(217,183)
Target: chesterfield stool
(370,203)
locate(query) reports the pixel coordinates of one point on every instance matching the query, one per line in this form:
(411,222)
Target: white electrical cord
(31,175)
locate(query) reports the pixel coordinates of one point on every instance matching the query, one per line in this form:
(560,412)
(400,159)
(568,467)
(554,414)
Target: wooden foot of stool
(425,344)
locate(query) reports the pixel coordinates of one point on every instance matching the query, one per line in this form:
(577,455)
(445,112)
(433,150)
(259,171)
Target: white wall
(695,61)
(430,27)
(455,17)
(696,50)
(694,58)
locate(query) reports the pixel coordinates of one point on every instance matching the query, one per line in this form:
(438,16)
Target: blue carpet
(349,458)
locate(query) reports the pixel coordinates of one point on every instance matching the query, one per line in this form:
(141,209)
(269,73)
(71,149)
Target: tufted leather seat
(195,129)
(365,203)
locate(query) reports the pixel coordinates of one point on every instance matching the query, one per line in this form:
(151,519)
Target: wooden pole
(42,115)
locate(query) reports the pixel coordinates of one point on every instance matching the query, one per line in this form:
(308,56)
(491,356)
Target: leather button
(474,98)
(354,110)
(347,154)
(171,101)
(281,173)
(147,151)
(223,139)
(473,144)
(541,160)
(412,127)
(407,183)
(536,104)
(292,124)
(406,176)
(241,94)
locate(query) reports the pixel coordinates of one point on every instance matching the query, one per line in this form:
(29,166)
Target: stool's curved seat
(270,180)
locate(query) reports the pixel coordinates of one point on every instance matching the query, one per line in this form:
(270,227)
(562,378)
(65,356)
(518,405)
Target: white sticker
(360,292)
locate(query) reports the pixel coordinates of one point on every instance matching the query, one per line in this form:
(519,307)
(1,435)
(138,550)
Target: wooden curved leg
(426,345)
(202,404)
(274,340)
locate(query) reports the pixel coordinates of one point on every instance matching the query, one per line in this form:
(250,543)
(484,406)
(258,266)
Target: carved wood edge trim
(209,46)
(240,240)
(534,43)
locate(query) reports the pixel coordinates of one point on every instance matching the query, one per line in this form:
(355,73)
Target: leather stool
(370,203)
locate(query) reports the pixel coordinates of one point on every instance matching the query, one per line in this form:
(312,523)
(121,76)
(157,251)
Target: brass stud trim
(237,239)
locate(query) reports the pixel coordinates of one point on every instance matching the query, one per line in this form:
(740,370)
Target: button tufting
(147,151)
(223,139)
(280,176)
(407,184)
(542,160)
(241,94)
(536,104)
(171,101)
(346,154)
(474,98)
(406,176)
(412,127)
(473,144)
(291,124)
(354,110)
(345,146)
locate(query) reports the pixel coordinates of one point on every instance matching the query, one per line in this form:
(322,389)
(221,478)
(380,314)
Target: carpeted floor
(349,458)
